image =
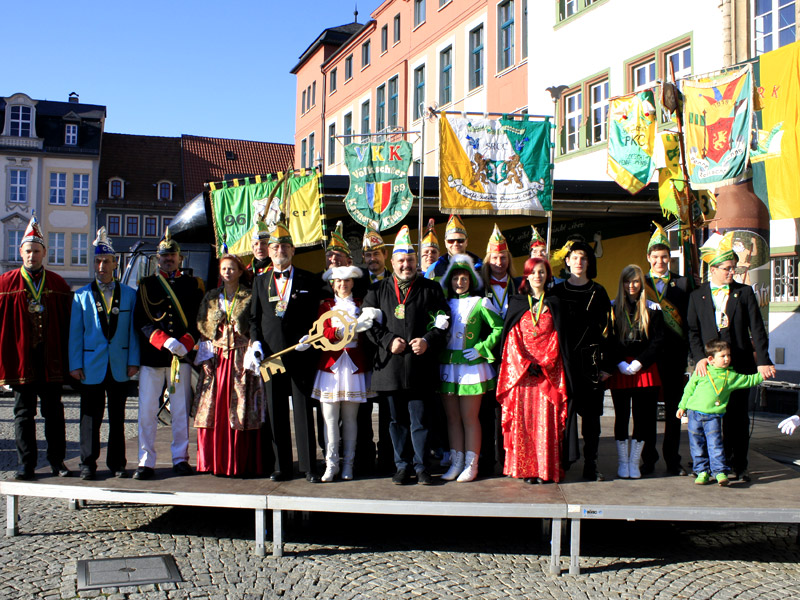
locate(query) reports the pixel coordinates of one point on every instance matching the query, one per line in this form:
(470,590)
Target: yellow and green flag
(302,208)
(631,139)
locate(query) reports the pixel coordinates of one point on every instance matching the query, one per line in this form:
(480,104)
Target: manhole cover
(116,572)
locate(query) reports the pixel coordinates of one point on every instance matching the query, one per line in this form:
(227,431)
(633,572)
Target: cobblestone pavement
(348,556)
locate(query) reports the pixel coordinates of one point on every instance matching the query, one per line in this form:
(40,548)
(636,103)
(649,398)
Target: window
(332,82)
(132,226)
(80,189)
(445,75)
(314,93)
(58,188)
(419,12)
(165,191)
(55,248)
(419,92)
(444,3)
(348,68)
(393,103)
(573,115)
(598,112)
(116,188)
(14,242)
(311,154)
(570,8)
(773,25)
(365,54)
(380,108)
(20,121)
(151,226)
(396,28)
(476,57)
(165,221)
(303,153)
(18,185)
(524,28)
(80,249)
(332,144)
(113,224)
(644,71)
(784,279)
(679,61)
(303,103)
(505,35)
(71,134)
(644,75)
(348,128)
(365,119)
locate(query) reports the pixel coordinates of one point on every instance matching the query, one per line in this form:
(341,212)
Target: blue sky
(202,67)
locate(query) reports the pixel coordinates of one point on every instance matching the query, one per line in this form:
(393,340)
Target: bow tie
(376,277)
(502,284)
(664,278)
(279,274)
(106,287)
(719,289)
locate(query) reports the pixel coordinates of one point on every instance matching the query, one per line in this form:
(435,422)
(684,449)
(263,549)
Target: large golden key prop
(272,365)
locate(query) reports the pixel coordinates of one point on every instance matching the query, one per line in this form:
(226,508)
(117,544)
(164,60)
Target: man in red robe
(34,310)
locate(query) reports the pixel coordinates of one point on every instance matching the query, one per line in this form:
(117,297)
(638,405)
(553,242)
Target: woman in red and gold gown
(531,385)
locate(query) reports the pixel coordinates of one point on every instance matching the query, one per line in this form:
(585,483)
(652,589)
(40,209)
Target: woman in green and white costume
(466,374)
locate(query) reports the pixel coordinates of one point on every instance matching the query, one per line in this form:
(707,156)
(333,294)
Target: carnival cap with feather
(454,225)
(338,242)
(372,240)
(102,245)
(33,233)
(497,241)
(402,243)
(536,238)
(279,234)
(717,249)
(430,240)
(463,262)
(659,237)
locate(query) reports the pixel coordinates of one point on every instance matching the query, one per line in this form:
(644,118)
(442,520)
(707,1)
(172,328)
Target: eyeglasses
(726,269)
(456,241)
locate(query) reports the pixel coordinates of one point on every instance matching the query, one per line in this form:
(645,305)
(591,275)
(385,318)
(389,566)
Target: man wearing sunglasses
(456,240)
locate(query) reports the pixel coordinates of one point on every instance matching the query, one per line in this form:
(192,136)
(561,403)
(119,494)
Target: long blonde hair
(641,317)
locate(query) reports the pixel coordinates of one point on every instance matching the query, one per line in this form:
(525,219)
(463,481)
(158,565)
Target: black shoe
(25,474)
(182,468)
(61,470)
(531,480)
(647,468)
(590,472)
(278,476)
(87,473)
(424,478)
(401,477)
(144,473)
(677,470)
(743,475)
(121,474)
(313,478)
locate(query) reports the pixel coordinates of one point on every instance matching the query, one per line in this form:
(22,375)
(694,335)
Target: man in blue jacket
(103,356)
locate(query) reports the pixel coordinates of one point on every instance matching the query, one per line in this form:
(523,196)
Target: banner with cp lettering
(631,139)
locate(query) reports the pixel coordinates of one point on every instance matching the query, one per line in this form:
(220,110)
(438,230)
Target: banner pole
(421,184)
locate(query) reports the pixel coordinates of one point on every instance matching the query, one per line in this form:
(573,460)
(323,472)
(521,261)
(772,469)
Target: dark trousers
(492,452)
(643,403)
(408,429)
(49,395)
(673,380)
(365,445)
(736,430)
(590,408)
(282,386)
(93,405)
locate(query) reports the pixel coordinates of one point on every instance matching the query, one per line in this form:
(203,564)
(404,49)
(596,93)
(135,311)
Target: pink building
(465,55)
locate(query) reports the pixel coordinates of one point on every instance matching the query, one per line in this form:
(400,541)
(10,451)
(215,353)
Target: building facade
(51,155)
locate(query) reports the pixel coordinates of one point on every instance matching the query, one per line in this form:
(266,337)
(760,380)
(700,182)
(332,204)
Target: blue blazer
(95,341)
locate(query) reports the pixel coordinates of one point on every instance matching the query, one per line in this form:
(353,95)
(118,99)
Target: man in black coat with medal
(406,365)
(284,307)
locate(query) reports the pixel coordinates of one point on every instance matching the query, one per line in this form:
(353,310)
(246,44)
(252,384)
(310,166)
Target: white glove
(301,344)
(623,367)
(363,324)
(788,426)
(205,351)
(258,351)
(442,322)
(634,367)
(471,354)
(251,363)
(174,346)
(371,313)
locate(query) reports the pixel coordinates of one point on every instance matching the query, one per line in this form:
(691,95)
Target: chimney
(73,97)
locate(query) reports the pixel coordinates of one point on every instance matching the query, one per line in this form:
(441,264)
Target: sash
(173,298)
(672,317)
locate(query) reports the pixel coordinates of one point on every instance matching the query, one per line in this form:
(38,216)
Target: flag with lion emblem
(494,166)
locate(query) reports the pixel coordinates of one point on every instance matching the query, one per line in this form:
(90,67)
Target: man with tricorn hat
(283,309)
(166,318)
(34,308)
(103,356)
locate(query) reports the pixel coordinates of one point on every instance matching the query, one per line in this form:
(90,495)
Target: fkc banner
(379,195)
(631,139)
(489,166)
(717,116)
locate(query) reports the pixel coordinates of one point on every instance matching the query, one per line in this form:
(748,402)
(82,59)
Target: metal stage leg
(277,533)
(12,516)
(575,546)
(261,531)
(555,546)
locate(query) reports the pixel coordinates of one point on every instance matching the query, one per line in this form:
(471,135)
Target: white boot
(470,467)
(622,459)
(347,459)
(635,458)
(456,465)
(331,463)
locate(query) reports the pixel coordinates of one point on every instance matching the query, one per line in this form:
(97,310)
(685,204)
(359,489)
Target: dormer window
(71,134)
(165,191)
(20,121)
(116,188)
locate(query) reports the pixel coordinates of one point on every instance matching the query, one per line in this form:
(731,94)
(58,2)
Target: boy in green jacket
(704,401)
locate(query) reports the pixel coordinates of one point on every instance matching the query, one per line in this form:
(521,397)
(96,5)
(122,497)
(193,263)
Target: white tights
(331,412)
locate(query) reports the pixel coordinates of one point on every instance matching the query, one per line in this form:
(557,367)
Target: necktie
(494,281)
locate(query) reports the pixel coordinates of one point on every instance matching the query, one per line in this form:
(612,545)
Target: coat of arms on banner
(490,166)
(379,195)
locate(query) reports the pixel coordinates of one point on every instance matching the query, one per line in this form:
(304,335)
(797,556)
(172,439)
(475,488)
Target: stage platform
(773,496)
